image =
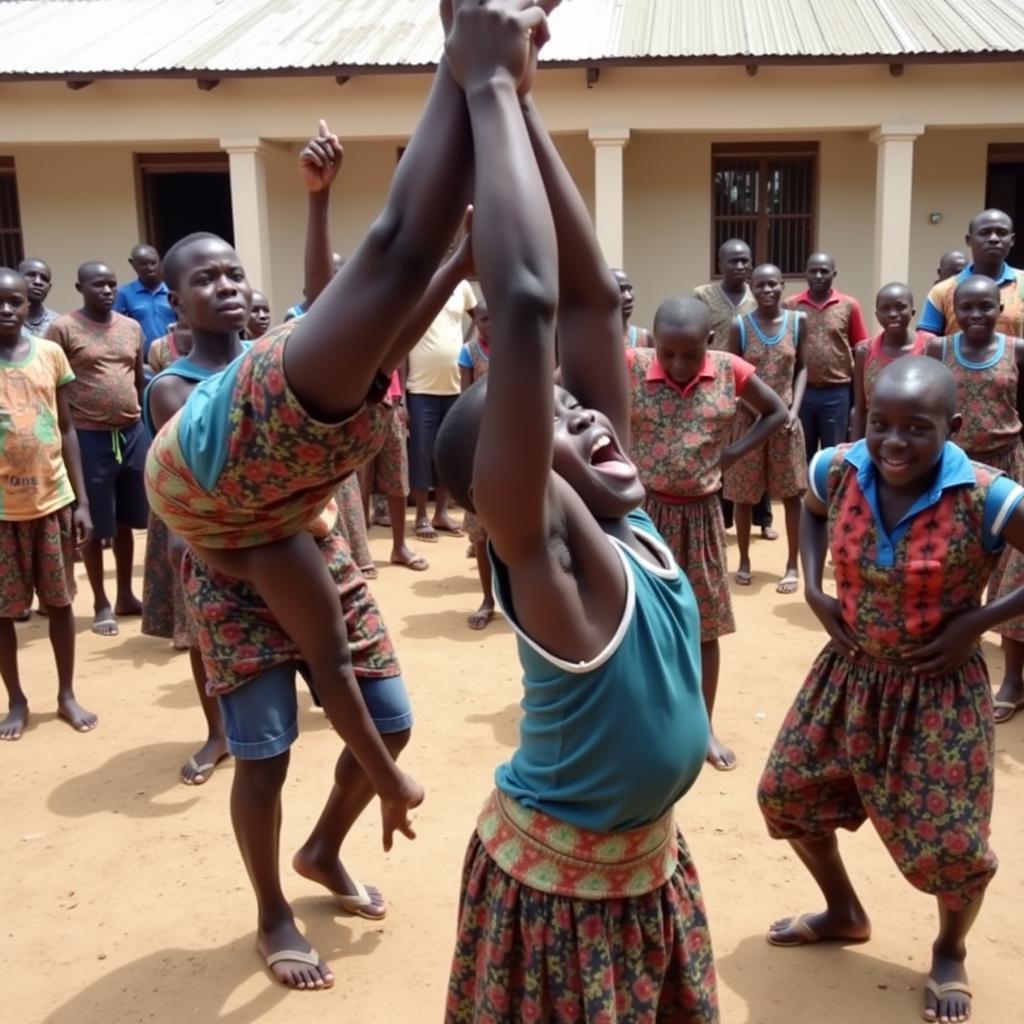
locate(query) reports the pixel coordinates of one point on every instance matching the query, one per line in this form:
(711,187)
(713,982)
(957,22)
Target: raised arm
(515,255)
(589,303)
(333,355)
(319,163)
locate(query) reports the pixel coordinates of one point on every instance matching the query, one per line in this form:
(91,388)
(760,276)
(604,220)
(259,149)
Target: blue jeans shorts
(261,718)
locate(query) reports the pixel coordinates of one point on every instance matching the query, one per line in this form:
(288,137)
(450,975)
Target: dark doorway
(1005,190)
(182,193)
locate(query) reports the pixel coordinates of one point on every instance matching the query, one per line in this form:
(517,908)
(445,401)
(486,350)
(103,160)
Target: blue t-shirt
(150,309)
(612,744)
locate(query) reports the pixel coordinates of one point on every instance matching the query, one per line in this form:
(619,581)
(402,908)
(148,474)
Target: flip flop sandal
(1007,705)
(299,956)
(743,578)
(427,534)
(417,563)
(206,770)
(360,903)
(807,935)
(940,989)
(788,585)
(108,622)
(369,572)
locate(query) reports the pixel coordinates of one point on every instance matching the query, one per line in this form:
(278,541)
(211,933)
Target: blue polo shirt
(933,319)
(150,309)
(955,469)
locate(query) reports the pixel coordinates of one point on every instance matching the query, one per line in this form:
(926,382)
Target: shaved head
(143,251)
(822,257)
(919,380)
(683,315)
(990,216)
(10,278)
(766,270)
(977,286)
(895,290)
(731,245)
(92,268)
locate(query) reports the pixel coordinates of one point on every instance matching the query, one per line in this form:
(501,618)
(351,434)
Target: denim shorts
(261,718)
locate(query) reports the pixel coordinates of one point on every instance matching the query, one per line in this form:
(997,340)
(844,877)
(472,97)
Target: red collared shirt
(679,431)
(834,328)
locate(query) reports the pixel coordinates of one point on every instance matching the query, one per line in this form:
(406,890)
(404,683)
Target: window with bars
(766,195)
(12,248)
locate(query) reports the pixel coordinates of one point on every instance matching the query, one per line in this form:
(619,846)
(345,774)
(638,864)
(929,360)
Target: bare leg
(256,817)
(126,602)
(1011,690)
(103,621)
(62,640)
(401,553)
(844,918)
(719,755)
(199,767)
(483,614)
(790,582)
(13,725)
(442,521)
(743,515)
(948,955)
(319,858)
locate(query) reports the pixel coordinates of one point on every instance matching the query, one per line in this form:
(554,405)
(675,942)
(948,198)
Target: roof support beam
(593,77)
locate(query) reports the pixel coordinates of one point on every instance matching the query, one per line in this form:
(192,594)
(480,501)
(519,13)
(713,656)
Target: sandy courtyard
(125,899)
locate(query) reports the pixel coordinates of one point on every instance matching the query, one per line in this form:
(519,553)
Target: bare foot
(790,582)
(75,715)
(768,533)
(720,757)
(482,616)
(12,727)
(828,926)
(128,606)
(293,973)
(104,623)
(199,767)
(444,524)
(947,995)
(407,557)
(331,874)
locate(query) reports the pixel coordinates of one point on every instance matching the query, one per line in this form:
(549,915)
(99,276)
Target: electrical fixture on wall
(935,218)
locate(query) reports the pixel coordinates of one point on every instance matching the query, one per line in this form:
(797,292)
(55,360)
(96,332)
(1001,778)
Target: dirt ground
(125,899)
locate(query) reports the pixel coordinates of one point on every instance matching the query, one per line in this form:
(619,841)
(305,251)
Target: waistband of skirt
(554,857)
(898,661)
(680,499)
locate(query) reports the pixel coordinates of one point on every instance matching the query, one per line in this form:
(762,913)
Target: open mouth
(895,464)
(606,458)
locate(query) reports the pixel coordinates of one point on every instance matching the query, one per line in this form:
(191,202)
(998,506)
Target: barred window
(12,247)
(765,194)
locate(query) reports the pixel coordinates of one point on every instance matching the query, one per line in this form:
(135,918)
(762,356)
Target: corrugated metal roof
(59,38)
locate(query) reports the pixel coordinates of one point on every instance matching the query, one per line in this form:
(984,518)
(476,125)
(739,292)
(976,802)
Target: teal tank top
(612,744)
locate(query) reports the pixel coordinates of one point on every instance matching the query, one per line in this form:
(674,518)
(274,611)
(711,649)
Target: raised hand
(494,40)
(321,159)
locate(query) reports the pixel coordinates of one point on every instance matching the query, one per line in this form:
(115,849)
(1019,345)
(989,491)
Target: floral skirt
(163,601)
(352,520)
(387,472)
(524,954)
(869,739)
(777,468)
(695,534)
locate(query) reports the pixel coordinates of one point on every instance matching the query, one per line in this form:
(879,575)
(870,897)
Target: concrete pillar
(608,145)
(249,211)
(894,180)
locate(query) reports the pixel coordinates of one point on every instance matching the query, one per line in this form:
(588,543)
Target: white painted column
(894,181)
(249,211)
(609,144)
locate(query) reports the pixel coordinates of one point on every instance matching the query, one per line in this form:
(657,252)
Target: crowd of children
(598,476)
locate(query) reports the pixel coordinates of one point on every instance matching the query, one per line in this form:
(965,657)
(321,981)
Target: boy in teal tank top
(577,843)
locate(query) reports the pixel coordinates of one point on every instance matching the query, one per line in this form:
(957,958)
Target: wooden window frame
(765,151)
(17,232)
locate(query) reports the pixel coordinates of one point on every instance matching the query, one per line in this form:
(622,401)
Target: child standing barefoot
(683,402)
(579,899)
(772,341)
(40,478)
(894,722)
(474,362)
(894,309)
